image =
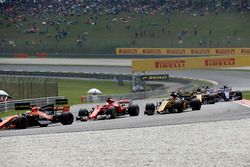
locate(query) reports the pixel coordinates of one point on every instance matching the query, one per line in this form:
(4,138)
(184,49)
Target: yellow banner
(183,51)
(190,63)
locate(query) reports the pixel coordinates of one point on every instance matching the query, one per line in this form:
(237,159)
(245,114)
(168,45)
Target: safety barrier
(138,95)
(10,105)
(69,74)
(21,55)
(132,96)
(41,54)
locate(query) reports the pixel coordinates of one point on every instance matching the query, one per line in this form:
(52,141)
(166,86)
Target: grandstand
(94,26)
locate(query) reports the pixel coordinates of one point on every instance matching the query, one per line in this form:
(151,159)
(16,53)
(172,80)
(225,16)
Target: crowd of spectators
(12,8)
(17,11)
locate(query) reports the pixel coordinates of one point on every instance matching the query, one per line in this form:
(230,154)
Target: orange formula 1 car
(39,116)
(110,110)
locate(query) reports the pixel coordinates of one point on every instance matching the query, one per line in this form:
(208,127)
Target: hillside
(102,34)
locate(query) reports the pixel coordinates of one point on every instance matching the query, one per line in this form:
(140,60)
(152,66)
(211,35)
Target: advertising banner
(155,77)
(190,63)
(183,51)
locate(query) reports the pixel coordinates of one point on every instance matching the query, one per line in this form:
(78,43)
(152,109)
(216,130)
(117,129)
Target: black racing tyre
(43,125)
(20,122)
(112,113)
(195,104)
(83,113)
(149,109)
(133,110)
(211,99)
(1,120)
(66,118)
(178,106)
(238,95)
(149,112)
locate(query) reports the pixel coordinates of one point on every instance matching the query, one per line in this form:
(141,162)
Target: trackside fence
(10,105)
(165,90)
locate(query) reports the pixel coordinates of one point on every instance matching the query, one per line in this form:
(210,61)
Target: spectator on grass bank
(18,12)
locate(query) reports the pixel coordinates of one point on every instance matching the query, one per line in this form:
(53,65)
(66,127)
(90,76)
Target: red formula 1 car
(111,110)
(38,116)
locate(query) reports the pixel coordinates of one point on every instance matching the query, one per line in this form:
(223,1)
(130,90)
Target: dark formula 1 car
(210,96)
(111,109)
(227,94)
(39,116)
(175,104)
(206,97)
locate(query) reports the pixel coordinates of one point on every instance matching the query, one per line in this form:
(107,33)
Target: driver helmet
(110,100)
(173,94)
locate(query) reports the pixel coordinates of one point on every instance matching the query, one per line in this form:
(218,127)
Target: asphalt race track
(237,79)
(216,112)
(208,113)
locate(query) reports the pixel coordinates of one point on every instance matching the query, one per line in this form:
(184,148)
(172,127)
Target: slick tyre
(179,106)
(83,113)
(111,112)
(195,104)
(20,122)
(149,109)
(66,118)
(211,99)
(133,110)
(239,96)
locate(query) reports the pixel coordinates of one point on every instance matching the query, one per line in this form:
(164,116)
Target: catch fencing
(132,96)
(20,87)
(135,96)
(10,105)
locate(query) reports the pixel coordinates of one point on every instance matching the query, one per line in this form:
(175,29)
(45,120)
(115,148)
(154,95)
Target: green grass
(74,89)
(246,95)
(100,40)
(11,112)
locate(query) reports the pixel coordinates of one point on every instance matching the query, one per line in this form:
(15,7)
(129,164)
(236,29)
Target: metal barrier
(10,105)
(138,95)
(101,76)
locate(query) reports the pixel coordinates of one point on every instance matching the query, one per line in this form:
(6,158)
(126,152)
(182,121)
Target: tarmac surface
(216,142)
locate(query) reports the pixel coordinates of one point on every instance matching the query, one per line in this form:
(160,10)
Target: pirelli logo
(219,62)
(245,51)
(200,51)
(170,64)
(225,51)
(151,51)
(154,77)
(176,51)
(128,51)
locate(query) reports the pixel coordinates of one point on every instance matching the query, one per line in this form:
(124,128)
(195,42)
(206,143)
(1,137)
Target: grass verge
(74,89)
(246,95)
